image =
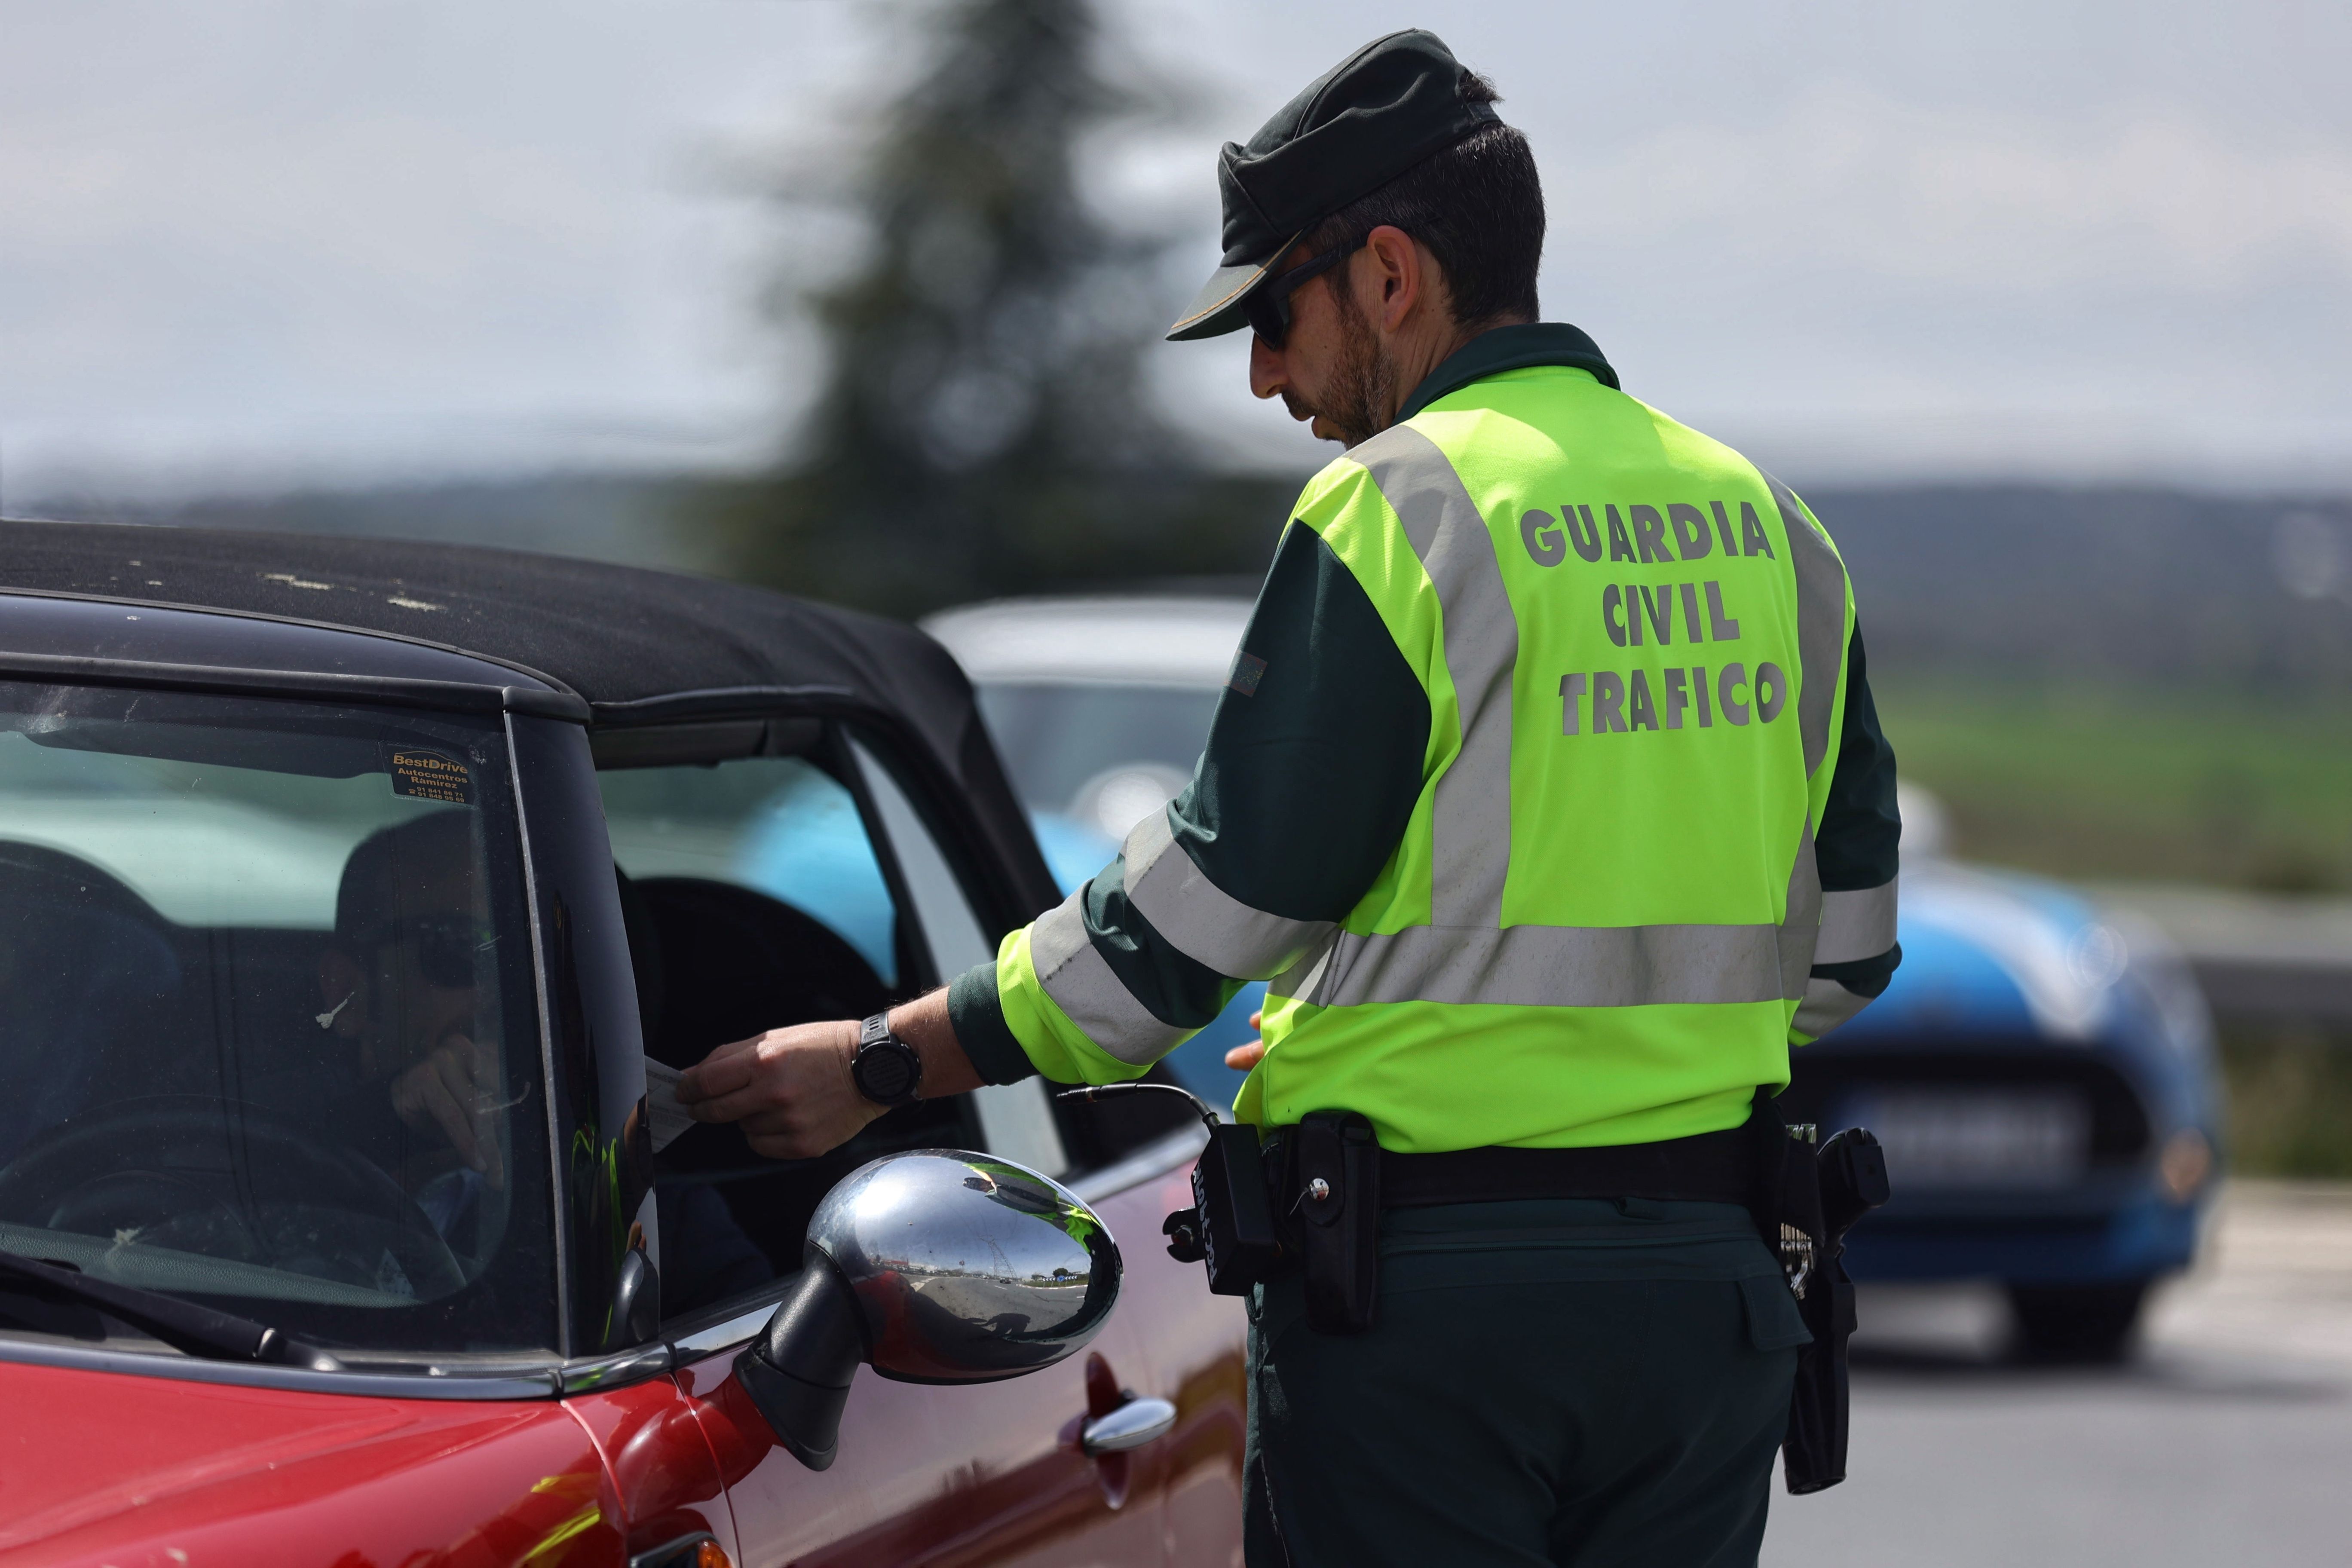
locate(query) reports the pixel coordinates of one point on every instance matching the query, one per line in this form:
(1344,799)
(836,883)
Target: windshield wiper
(184,1326)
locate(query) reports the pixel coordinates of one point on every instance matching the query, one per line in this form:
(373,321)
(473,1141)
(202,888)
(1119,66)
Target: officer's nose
(1269,374)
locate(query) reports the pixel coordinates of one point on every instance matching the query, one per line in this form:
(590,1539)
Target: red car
(348,889)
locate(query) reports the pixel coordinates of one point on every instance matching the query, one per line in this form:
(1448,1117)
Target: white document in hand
(667,1117)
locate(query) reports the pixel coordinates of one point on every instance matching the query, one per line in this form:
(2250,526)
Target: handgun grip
(1852,1168)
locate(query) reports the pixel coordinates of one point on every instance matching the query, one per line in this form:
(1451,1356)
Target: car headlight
(2186,1163)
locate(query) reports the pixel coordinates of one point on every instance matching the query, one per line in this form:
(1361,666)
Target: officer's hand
(790,1088)
(1241,1059)
(454,1090)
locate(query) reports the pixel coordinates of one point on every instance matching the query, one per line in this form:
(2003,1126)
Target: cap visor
(1217,310)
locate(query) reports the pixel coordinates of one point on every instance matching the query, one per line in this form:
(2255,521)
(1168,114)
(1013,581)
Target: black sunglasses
(1267,306)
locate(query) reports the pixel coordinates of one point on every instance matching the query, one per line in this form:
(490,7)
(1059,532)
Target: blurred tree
(983,428)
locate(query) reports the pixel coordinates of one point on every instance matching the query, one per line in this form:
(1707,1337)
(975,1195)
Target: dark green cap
(1385,108)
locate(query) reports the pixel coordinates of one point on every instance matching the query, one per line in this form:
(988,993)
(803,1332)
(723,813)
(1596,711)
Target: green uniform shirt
(1547,793)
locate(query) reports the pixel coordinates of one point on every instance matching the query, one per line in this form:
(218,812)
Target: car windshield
(266,1019)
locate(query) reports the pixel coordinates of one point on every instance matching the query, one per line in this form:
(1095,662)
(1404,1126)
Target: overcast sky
(249,244)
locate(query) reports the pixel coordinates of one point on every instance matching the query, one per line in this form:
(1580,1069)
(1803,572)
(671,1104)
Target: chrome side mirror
(935,1266)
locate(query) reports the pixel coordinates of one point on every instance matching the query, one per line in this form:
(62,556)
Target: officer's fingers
(804,1126)
(723,1071)
(782,1135)
(777,1070)
(1257,1019)
(745,1099)
(803,1139)
(1241,1059)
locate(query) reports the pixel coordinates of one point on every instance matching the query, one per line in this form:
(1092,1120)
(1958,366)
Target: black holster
(1330,1193)
(1807,1199)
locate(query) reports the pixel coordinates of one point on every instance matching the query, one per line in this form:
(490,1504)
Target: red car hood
(125,1469)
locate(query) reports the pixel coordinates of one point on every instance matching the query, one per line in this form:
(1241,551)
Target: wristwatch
(886,1069)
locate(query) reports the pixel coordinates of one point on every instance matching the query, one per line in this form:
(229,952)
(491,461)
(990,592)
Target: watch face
(887,1075)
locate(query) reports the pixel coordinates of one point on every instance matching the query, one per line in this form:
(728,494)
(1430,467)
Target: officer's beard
(1362,393)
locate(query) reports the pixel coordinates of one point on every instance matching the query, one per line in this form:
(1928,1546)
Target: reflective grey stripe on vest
(1821,621)
(1201,919)
(1827,1005)
(1082,986)
(1470,816)
(1571,966)
(1801,922)
(1555,966)
(1859,924)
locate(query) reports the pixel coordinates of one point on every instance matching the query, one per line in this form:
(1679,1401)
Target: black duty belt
(1712,1167)
(1308,1202)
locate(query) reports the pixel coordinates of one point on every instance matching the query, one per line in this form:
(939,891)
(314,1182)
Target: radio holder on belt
(1309,1199)
(1231,1225)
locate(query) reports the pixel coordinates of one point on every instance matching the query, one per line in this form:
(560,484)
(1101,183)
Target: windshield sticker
(428,775)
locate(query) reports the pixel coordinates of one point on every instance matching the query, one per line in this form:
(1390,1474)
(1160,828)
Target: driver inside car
(397,986)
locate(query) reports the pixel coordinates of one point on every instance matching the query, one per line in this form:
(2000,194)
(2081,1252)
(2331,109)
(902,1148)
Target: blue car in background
(2042,1073)
(2044,1076)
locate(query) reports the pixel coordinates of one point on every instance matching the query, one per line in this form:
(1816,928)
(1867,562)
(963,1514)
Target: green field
(2290,1101)
(2119,782)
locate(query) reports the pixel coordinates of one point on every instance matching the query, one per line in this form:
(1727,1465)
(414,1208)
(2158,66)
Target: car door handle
(1131,1426)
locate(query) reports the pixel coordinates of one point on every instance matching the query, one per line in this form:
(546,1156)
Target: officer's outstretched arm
(1314,761)
(791,1090)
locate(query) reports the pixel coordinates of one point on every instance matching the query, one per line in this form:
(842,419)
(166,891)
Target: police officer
(1547,794)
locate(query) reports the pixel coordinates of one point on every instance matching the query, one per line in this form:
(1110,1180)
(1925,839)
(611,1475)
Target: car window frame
(1022,1113)
(1090,1134)
(821,739)
(990,893)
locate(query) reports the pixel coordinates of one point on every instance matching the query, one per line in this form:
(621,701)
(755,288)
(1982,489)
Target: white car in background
(1099,707)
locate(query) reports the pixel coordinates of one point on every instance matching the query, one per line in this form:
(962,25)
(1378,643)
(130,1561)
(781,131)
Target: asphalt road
(2228,1440)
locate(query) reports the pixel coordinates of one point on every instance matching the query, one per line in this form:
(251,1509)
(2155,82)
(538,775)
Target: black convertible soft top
(637,646)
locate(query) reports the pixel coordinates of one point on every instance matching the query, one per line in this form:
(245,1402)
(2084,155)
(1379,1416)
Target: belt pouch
(1335,1196)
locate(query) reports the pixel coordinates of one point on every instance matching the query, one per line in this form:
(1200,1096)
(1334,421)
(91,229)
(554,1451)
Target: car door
(995,1472)
(990,1472)
(1131,1159)
(1192,1347)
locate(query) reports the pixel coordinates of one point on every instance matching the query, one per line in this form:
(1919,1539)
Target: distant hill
(2092,584)
(2099,585)
(623,518)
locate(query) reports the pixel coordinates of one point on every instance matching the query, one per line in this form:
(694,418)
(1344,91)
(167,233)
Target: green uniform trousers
(1555,1380)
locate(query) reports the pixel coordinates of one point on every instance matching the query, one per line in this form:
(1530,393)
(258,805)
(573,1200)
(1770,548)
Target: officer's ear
(1395,278)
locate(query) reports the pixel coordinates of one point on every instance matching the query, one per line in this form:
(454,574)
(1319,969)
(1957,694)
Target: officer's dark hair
(1478,207)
